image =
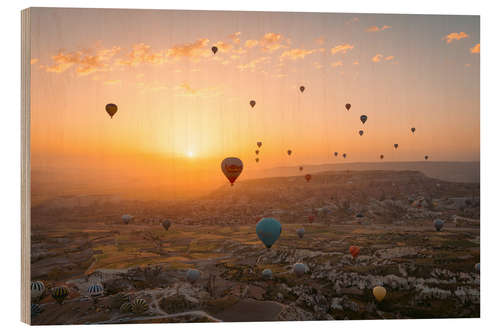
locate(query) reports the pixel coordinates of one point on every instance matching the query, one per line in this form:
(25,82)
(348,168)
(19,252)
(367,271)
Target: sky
(182,109)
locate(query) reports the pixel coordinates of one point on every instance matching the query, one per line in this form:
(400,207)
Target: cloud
(187,90)
(235,37)
(141,54)
(193,51)
(475,49)
(320,40)
(223,46)
(317,65)
(34,61)
(376,29)
(353,20)
(85,62)
(295,54)
(342,48)
(253,64)
(455,36)
(388,58)
(336,64)
(272,41)
(355,62)
(377,58)
(112,82)
(251,43)
(467,65)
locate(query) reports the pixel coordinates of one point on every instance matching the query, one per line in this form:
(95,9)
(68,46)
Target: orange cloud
(235,37)
(295,54)
(193,51)
(112,82)
(353,20)
(377,58)
(336,64)
(253,64)
(251,43)
(186,90)
(342,48)
(388,58)
(355,62)
(85,61)
(142,54)
(271,42)
(34,61)
(475,49)
(375,28)
(455,36)
(320,40)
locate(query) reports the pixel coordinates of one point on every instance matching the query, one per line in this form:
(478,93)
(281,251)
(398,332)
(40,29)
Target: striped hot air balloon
(139,306)
(36,309)
(37,290)
(60,293)
(126,308)
(95,290)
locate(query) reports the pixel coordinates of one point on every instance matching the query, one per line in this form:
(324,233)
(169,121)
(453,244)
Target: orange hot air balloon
(232,167)
(307,177)
(111,109)
(354,250)
(379,292)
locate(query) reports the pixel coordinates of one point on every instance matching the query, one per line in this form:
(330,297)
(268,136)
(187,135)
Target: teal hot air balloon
(268,230)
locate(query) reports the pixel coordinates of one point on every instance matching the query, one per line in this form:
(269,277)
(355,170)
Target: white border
(10,158)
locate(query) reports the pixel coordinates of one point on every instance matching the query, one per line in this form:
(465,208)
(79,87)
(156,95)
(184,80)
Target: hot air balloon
(139,306)
(111,109)
(268,230)
(192,275)
(363,118)
(232,167)
(257,160)
(95,290)
(37,290)
(289,152)
(344,155)
(166,224)
(354,251)
(301,232)
(379,293)
(267,273)
(252,103)
(426,157)
(299,269)
(382,157)
(361,132)
(477,268)
(311,218)
(126,218)
(60,293)
(301,168)
(336,154)
(308,177)
(302,88)
(359,215)
(348,106)
(259,144)
(36,309)
(413,129)
(126,307)
(257,152)
(438,224)
(214,49)
(396,146)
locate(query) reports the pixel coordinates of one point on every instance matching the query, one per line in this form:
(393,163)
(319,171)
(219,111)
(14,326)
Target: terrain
(80,240)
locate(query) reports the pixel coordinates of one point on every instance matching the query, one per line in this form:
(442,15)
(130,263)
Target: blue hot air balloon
(438,224)
(268,230)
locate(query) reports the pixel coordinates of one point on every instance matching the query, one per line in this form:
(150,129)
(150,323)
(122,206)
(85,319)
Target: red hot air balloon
(232,167)
(307,177)
(252,103)
(348,106)
(354,250)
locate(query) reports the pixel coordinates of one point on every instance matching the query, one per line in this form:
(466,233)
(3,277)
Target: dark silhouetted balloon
(289,152)
(257,152)
(344,155)
(348,106)
(396,146)
(308,177)
(111,109)
(361,132)
(363,118)
(438,224)
(257,160)
(252,103)
(426,157)
(381,157)
(301,168)
(259,144)
(166,224)
(214,49)
(232,168)
(336,154)
(413,129)
(302,88)
(301,232)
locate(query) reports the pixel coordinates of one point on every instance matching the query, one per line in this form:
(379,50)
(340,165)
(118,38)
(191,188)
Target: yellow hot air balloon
(379,292)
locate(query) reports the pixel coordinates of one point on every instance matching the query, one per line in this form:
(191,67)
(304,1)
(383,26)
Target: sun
(190,154)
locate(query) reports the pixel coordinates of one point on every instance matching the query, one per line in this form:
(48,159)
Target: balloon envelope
(336,154)
(348,106)
(354,251)
(381,157)
(126,218)
(37,289)
(308,177)
(426,157)
(192,275)
(267,273)
(259,144)
(111,109)
(214,49)
(396,146)
(252,103)
(379,292)
(301,232)
(166,224)
(363,118)
(344,155)
(232,167)
(438,224)
(289,152)
(299,269)
(302,88)
(257,160)
(301,168)
(413,129)
(361,132)
(268,230)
